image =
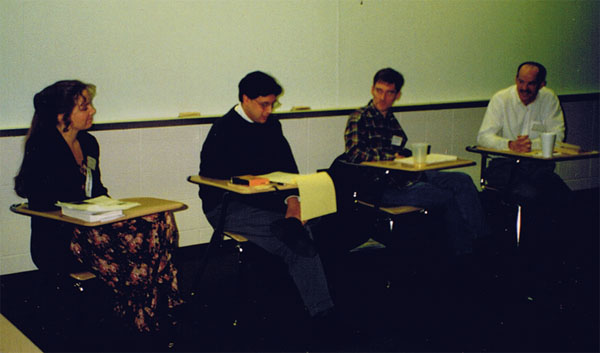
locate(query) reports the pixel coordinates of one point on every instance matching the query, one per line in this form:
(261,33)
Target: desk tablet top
(240,189)
(148,205)
(533,154)
(413,168)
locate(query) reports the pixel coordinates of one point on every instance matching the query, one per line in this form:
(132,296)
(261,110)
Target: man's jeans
(255,224)
(454,196)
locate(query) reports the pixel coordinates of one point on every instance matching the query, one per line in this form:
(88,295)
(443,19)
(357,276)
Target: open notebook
(432,158)
(316,192)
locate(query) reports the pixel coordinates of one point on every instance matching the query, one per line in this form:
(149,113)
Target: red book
(249,180)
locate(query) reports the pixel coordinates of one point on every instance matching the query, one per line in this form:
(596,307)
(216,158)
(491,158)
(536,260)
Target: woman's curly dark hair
(58,98)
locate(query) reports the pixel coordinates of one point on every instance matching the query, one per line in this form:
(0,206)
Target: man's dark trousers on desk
(255,224)
(454,194)
(543,195)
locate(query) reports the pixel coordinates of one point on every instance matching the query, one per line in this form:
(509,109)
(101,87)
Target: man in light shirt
(514,120)
(517,115)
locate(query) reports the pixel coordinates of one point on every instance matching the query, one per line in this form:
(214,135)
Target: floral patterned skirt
(133,257)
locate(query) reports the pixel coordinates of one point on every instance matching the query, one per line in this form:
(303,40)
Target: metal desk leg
(482,173)
(215,239)
(518,224)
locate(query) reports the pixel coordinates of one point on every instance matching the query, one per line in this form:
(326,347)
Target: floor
(408,296)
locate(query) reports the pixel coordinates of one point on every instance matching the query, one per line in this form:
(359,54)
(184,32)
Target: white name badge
(88,182)
(91,163)
(397,140)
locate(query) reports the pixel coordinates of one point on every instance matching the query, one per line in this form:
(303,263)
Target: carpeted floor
(405,297)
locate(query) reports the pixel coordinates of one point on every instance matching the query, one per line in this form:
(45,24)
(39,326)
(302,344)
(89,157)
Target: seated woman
(61,163)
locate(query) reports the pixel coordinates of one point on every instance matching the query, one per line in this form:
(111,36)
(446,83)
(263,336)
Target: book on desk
(98,209)
(278,178)
(249,180)
(91,217)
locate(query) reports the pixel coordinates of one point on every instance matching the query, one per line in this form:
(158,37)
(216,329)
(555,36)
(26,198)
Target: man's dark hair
(389,75)
(257,84)
(541,76)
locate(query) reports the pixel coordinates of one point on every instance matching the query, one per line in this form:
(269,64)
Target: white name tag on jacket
(397,140)
(91,163)
(89,182)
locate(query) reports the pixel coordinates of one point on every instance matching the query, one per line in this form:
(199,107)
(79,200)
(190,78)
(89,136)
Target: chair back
(355,182)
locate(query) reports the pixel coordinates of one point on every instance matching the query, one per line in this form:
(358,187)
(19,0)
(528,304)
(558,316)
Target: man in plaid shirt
(374,134)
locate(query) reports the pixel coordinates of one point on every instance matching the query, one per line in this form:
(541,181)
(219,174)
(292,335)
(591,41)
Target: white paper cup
(548,139)
(419,151)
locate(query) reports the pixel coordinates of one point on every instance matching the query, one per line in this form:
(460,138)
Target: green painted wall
(154,59)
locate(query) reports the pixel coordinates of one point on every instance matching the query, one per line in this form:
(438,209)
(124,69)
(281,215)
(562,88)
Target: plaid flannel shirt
(368,135)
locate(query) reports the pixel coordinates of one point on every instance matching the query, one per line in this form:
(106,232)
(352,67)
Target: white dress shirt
(238,108)
(507,117)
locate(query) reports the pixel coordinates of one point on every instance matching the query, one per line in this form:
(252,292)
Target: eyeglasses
(266,105)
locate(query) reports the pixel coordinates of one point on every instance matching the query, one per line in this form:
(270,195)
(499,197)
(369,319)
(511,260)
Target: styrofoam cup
(548,139)
(419,151)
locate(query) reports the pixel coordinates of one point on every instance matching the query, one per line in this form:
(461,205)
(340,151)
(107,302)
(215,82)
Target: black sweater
(236,147)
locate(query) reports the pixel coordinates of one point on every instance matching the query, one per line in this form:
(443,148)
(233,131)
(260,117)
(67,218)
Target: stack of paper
(98,209)
(432,158)
(317,193)
(567,148)
(281,177)
(91,216)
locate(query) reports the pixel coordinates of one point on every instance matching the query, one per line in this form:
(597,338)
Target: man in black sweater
(246,141)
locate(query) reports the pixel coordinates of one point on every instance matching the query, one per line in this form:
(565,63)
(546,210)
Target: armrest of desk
(474,149)
(458,163)
(23,209)
(533,155)
(393,210)
(148,205)
(239,189)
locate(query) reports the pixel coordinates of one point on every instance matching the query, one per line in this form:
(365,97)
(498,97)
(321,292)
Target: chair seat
(397,210)
(82,276)
(236,237)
